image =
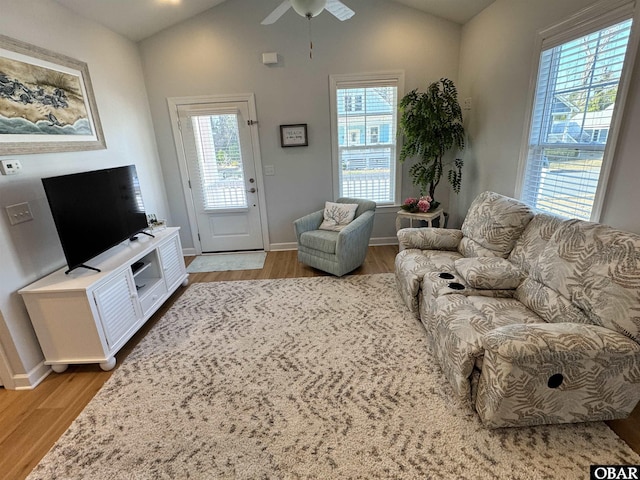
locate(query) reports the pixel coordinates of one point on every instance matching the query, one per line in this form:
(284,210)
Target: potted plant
(431,124)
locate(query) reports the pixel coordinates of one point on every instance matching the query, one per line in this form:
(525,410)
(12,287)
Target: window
(217,142)
(579,79)
(373,134)
(353,103)
(364,124)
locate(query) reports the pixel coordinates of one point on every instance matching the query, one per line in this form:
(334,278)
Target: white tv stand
(87,316)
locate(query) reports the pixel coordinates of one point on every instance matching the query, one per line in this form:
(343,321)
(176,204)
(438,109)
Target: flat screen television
(94,211)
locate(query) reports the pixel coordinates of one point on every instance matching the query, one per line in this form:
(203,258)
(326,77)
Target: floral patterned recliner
(548,332)
(492,226)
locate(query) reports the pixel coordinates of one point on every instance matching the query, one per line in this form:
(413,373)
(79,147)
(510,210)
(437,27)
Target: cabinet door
(172,262)
(117,304)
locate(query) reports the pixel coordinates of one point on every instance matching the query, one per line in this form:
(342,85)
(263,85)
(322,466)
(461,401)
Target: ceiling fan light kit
(308,8)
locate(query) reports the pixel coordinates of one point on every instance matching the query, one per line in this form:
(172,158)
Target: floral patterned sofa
(533,319)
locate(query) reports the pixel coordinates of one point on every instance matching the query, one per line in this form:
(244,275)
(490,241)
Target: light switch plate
(269,170)
(10,167)
(19,213)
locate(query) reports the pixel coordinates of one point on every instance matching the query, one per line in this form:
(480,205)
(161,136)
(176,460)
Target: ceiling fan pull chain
(310,39)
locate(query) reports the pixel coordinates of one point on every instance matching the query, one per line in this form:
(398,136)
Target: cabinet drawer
(152,297)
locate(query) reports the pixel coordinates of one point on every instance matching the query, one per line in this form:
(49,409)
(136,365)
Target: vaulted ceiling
(138,19)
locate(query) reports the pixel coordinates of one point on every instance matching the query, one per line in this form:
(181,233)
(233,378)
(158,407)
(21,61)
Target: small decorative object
(154,223)
(417,205)
(46,102)
(431,125)
(293,135)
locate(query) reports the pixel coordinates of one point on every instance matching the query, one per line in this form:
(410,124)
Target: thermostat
(10,167)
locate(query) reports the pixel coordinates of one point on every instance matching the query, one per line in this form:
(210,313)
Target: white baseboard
(29,381)
(283,246)
(383,241)
(372,242)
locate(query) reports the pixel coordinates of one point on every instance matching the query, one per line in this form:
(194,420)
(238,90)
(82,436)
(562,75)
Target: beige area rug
(223,262)
(314,378)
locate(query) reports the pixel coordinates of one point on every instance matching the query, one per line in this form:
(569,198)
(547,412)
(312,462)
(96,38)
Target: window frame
(355,80)
(589,20)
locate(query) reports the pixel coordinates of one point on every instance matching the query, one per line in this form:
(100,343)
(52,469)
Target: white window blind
(365,126)
(220,172)
(574,104)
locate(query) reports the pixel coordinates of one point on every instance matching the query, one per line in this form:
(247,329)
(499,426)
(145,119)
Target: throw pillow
(338,215)
(489,273)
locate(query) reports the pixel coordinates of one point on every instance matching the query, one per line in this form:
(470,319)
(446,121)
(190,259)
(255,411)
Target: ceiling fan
(310,8)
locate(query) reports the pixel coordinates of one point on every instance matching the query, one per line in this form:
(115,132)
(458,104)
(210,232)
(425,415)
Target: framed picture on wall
(294,135)
(46,102)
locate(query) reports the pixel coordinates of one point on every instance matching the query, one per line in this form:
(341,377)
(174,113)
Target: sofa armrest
(489,273)
(557,373)
(308,223)
(430,238)
(526,343)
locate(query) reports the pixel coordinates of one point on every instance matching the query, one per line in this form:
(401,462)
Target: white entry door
(219,154)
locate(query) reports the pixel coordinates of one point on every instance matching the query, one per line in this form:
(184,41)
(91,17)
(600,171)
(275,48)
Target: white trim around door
(174,103)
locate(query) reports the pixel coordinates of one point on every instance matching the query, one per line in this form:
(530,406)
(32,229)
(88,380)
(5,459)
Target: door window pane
(220,161)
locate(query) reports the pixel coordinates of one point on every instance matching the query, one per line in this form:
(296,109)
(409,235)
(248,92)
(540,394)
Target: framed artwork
(46,102)
(293,135)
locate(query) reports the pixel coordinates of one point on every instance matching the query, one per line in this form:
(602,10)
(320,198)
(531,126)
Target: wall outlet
(19,213)
(467,104)
(269,170)
(10,167)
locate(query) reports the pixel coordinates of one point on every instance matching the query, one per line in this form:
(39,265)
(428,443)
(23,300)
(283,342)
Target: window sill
(387,208)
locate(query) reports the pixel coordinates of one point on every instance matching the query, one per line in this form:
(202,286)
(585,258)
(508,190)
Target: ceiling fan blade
(277,13)
(339,10)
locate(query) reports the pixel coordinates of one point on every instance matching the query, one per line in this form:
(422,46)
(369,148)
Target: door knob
(252,190)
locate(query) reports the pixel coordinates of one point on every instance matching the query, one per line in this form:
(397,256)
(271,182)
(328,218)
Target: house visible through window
(574,105)
(364,122)
(353,103)
(373,134)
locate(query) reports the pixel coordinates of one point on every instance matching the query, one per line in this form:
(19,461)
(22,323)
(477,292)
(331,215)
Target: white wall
(31,250)
(219,52)
(496,61)
(623,195)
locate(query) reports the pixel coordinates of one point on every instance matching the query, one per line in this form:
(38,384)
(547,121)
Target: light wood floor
(31,421)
